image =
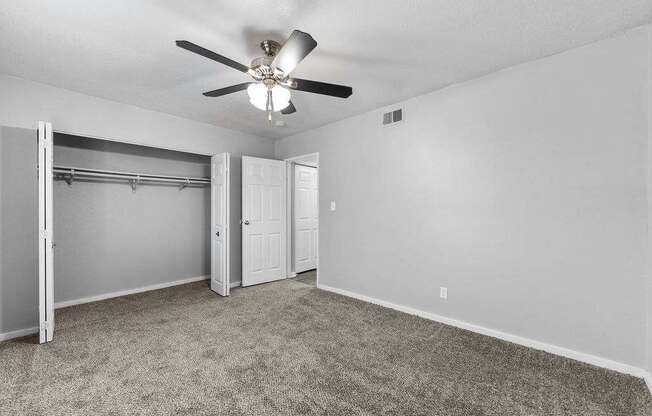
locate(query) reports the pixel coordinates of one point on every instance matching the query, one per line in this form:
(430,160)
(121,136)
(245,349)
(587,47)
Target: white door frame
(290,209)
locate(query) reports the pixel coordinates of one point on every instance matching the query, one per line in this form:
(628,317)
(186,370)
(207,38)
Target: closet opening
(125,218)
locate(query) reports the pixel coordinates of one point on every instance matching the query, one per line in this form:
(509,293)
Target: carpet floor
(309,277)
(288,348)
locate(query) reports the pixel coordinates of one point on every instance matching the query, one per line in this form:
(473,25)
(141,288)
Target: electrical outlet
(443,292)
(333,206)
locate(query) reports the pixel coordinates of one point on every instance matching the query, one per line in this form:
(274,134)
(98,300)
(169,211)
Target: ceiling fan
(270,90)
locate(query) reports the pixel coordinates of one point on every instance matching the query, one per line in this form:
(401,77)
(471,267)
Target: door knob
(245,222)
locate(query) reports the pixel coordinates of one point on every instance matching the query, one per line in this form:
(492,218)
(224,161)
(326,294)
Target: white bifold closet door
(220,202)
(306,218)
(264,222)
(46,235)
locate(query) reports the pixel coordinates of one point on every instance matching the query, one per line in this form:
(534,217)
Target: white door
(45,237)
(220,223)
(264,220)
(306,218)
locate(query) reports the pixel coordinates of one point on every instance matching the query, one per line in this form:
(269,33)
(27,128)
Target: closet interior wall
(110,238)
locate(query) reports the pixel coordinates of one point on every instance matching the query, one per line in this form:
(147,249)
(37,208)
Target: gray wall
(109,238)
(18,230)
(523,192)
(23,103)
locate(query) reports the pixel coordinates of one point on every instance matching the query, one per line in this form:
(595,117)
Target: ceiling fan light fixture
(258,96)
(271,74)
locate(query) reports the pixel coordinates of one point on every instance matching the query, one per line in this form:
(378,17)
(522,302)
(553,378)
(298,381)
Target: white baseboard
(104,296)
(235,284)
(18,333)
(538,345)
(648,381)
(29,331)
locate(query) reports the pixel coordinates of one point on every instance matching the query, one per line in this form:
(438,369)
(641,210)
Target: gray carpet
(309,277)
(288,348)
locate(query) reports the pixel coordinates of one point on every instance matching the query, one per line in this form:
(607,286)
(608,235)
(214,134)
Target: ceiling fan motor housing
(262,66)
(270,47)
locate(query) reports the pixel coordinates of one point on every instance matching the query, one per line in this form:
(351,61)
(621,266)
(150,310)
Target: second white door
(264,233)
(306,218)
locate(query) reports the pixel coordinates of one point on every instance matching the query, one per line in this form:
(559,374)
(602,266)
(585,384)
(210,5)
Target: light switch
(333,206)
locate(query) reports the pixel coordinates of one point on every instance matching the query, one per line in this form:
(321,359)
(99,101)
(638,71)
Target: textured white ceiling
(387,50)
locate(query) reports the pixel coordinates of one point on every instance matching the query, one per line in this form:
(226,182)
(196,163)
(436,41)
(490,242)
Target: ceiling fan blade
(289,109)
(189,46)
(324,88)
(297,47)
(227,90)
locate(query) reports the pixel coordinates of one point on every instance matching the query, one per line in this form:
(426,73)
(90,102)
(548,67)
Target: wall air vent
(393,117)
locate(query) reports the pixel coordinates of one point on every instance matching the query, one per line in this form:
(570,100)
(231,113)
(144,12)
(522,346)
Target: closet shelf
(69,173)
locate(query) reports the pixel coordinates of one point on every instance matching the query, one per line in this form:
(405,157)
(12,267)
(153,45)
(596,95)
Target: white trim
(289,213)
(298,158)
(104,296)
(29,331)
(5,336)
(235,284)
(538,345)
(648,381)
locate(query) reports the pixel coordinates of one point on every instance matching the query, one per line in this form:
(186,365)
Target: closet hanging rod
(140,177)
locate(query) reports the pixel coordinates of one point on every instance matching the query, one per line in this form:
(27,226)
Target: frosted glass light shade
(258,96)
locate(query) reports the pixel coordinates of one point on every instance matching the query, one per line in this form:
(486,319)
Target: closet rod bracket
(70,177)
(134,183)
(184,184)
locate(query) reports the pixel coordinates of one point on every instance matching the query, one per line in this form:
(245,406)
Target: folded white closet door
(264,222)
(220,223)
(306,218)
(45,237)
